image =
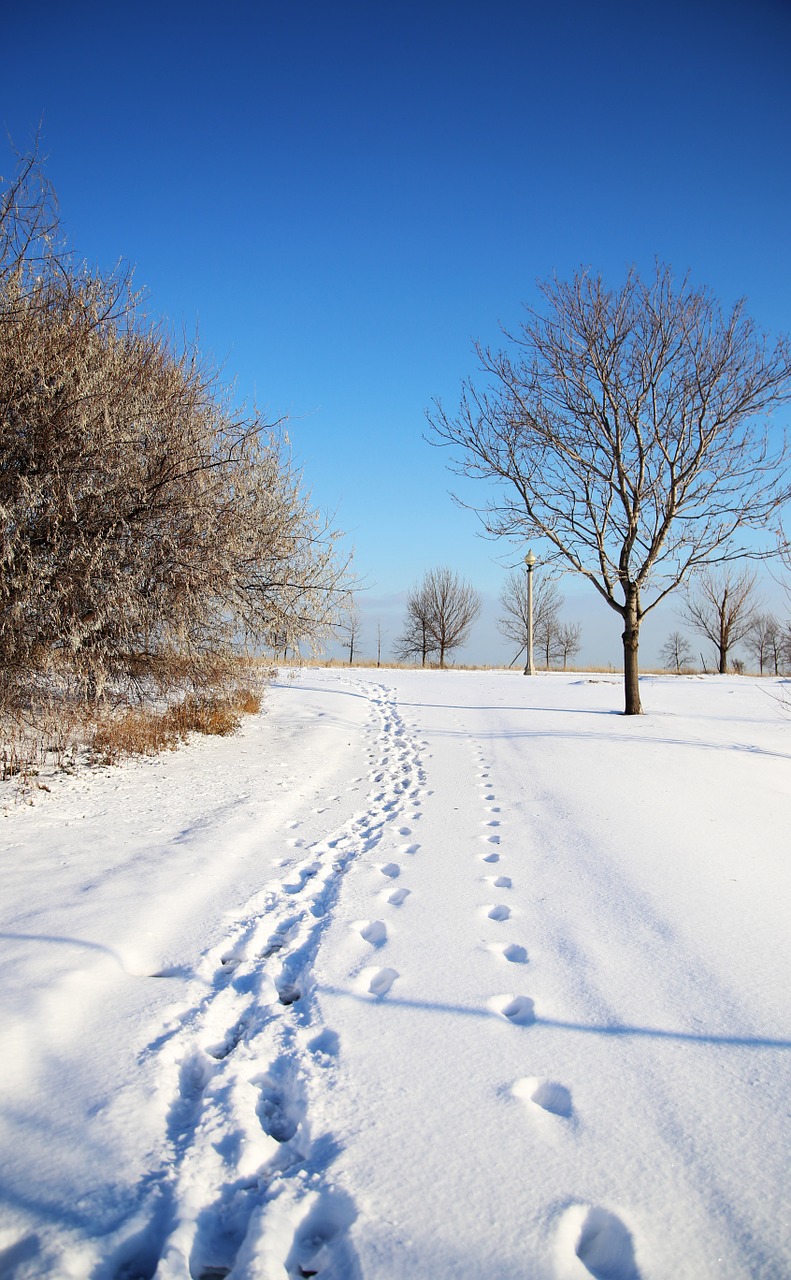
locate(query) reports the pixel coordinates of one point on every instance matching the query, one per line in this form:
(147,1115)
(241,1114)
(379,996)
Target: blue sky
(341,197)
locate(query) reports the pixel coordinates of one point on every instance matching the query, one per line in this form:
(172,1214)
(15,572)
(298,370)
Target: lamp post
(530,561)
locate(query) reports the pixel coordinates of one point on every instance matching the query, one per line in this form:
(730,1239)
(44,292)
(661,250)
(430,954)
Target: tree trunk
(631,671)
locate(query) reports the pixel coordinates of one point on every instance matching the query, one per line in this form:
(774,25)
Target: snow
(423,974)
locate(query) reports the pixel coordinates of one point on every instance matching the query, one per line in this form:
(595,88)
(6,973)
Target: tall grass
(57,729)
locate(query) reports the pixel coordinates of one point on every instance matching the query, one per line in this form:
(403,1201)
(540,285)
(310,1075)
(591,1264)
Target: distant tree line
(724,609)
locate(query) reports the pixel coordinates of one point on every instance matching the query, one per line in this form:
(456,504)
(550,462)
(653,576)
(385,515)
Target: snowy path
(425,975)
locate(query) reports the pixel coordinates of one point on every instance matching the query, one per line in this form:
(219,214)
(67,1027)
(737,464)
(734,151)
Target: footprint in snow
(288,993)
(514,953)
(319,1246)
(520,1010)
(502,882)
(379,981)
(398,897)
(279,1113)
(374,931)
(499,912)
(491,857)
(325,1046)
(546,1094)
(391,869)
(600,1240)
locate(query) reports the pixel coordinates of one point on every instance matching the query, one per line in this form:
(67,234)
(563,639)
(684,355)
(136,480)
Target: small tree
(626,428)
(569,641)
(765,642)
(676,652)
(416,640)
(453,607)
(722,608)
(514,622)
(350,627)
(440,613)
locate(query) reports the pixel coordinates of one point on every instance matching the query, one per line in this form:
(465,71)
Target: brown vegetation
(151,531)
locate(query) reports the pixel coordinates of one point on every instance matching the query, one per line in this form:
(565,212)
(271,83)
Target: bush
(148,528)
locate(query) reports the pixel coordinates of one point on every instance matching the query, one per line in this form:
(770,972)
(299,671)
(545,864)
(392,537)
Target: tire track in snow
(247,1184)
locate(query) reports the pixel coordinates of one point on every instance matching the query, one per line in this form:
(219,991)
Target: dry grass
(146,732)
(55,730)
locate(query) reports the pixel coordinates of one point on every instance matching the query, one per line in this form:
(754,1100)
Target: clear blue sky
(342,196)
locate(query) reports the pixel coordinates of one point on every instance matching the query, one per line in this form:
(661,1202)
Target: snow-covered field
(423,975)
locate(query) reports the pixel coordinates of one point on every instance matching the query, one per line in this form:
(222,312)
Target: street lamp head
(530,559)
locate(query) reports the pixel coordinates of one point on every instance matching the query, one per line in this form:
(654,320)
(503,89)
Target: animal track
(502,882)
(391,870)
(398,897)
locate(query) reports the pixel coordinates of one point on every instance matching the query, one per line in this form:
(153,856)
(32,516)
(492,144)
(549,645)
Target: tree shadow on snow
(598,1029)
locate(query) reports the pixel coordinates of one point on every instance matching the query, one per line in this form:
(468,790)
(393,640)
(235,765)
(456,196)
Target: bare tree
(416,640)
(453,607)
(440,613)
(514,622)
(569,641)
(764,641)
(145,523)
(626,428)
(676,652)
(722,607)
(350,627)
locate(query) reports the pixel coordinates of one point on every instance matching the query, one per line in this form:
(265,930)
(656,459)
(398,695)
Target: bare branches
(722,607)
(142,515)
(676,652)
(514,623)
(440,613)
(627,429)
